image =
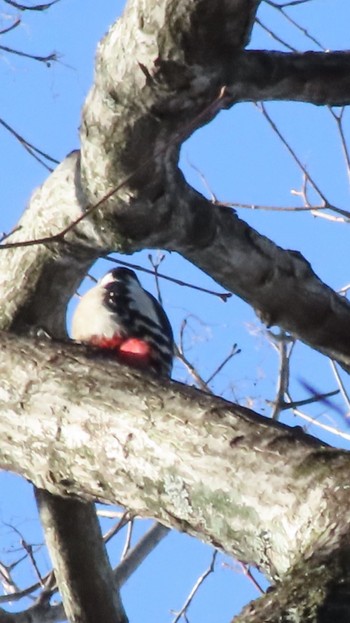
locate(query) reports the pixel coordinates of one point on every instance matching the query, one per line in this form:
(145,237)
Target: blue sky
(243,161)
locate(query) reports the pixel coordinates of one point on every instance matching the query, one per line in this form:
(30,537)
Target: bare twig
(49,588)
(345,289)
(36,7)
(338,117)
(224,296)
(202,177)
(156,263)
(295,404)
(326,427)
(308,177)
(281,8)
(180,354)
(284,345)
(195,589)
(254,206)
(321,397)
(4,235)
(341,385)
(42,59)
(32,150)
(287,3)
(234,351)
(247,572)
(274,36)
(125,518)
(9,586)
(126,548)
(191,369)
(29,549)
(25,592)
(14,25)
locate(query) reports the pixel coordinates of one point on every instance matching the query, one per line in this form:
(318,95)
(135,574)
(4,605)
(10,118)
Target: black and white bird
(119,315)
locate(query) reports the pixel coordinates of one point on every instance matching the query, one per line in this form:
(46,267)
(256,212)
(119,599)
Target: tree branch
(74,538)
(267,494)
(316,590)
(172,428)
(321,78)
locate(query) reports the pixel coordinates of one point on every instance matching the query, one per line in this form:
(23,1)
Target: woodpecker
(118,315)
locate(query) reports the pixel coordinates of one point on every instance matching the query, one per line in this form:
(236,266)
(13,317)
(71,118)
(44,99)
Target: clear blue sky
(242,162)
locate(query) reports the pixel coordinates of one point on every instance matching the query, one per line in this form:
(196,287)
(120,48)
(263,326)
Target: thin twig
(321,397)
(287,4)
(179,351)
(191,369)
(339,121)
(32,150)
(14,25)
(156,264)
(36,7)
(202,177)
(254,206)
(281,8)
(341,385)
(308,177)
(29,549)
(126,548)
(284,345)
(295,404)
(234,351)
(195,589)
(125,518)
(325,427)
(224,296)
(42,59)
(247,572)
(274,36)
(9,585)
(26,592)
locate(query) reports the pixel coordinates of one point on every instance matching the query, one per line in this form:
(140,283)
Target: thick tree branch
(267,494)
(321,78)
(178,455)
(44,277)
(316,591)
(74,538)
(279,284)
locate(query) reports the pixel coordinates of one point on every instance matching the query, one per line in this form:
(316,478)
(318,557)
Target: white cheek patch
(93,318)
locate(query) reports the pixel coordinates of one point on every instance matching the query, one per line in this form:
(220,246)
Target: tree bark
(321,78)
(80,425)
(316,590)
(186,458)
(74,538)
